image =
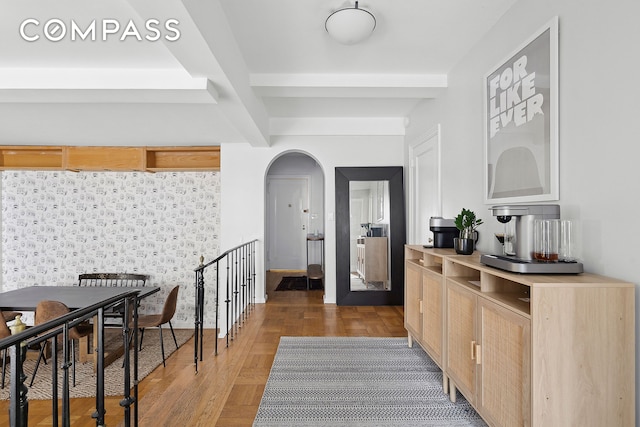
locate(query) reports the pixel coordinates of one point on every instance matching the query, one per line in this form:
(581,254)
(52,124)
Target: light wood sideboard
(525,350)
(372,259)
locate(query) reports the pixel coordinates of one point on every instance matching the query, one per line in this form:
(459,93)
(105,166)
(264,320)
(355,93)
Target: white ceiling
(241,70)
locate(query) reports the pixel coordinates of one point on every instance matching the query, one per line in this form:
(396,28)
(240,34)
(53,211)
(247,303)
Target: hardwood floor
(227,389)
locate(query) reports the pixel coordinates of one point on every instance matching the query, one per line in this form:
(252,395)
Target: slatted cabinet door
(413,300)
(461,341)
(503,366)
(432,320)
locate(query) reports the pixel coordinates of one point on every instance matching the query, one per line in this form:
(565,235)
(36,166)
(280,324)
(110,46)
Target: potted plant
(466,222)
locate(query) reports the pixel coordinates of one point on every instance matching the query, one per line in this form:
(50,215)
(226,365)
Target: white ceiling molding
(87,78)
(109,96)
(349,85)
(104,86)
(334,126)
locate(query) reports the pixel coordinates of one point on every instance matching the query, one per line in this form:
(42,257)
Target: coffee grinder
(528,219)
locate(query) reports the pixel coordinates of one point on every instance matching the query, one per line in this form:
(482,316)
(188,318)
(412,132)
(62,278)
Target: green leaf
(467,219)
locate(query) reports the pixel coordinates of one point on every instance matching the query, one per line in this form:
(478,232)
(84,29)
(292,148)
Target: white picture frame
(521,155)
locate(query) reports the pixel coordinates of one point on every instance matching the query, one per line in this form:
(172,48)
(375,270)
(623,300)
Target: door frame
(430,140)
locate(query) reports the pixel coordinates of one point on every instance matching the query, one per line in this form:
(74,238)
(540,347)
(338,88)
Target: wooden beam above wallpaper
(75,158)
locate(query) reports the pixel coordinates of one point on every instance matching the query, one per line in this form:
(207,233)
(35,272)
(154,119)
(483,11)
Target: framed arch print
(521,122)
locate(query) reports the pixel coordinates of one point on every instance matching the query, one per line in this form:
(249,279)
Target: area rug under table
(346,381)
(148,359)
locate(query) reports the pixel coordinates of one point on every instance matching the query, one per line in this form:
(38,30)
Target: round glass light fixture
(350,25)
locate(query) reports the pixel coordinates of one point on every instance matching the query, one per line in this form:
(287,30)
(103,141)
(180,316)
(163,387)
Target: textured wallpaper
(57,225)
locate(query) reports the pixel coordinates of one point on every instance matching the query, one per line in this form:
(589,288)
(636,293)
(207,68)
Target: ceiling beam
(338,126)
(207,48)
(92,86)
(349,85)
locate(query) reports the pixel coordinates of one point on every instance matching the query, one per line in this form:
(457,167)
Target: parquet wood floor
(227,389)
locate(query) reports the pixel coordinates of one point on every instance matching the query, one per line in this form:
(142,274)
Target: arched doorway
(294,221)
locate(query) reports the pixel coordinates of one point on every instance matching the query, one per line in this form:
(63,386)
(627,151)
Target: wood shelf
(434,269)
(31,157)
(183,159)
(105,158)
(100,158)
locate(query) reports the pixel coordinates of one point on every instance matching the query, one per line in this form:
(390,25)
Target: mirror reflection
(369,235)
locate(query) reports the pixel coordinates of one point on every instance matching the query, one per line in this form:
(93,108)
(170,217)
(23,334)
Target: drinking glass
(546,238)
(567,240)
(509,247)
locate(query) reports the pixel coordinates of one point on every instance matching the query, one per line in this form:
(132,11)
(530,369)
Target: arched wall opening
(295,220)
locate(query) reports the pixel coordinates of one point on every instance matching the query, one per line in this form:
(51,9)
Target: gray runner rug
(344,381)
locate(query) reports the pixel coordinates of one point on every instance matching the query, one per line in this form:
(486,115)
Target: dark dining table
(74,297)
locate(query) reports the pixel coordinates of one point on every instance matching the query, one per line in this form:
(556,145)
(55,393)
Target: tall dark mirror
(370,235)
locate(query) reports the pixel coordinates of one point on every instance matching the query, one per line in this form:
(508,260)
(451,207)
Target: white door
(287,222)
(425,182)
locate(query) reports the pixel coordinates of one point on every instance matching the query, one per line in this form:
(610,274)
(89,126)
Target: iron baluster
(100,410)
(54,379)
(135,359)
(19,407)
(236,290)
(227,301)
(126,400)
(196,328)
(217,305)
(66,363)
(201,308)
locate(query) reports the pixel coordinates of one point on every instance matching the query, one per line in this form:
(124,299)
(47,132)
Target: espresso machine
(524,258)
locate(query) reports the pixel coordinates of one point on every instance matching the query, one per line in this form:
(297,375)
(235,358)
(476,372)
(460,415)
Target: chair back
(47,310)
(112,279)
(4,329)
(170,305)
(10,315)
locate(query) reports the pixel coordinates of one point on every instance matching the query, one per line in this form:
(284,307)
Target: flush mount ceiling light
(350,25)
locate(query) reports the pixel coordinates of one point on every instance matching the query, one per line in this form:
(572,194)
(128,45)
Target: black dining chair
(112,279)
(114,315)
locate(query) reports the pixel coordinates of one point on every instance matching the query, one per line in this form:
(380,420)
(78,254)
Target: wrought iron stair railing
(18,343)
(236,268)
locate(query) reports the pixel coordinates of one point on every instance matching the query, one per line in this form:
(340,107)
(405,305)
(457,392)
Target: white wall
(243,188)
(599,121)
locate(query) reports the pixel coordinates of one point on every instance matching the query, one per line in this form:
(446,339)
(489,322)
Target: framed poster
(521,122)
